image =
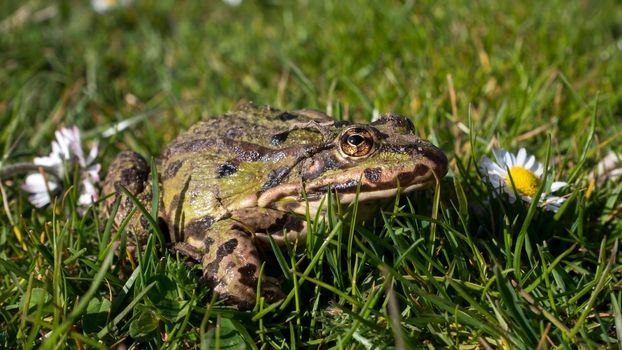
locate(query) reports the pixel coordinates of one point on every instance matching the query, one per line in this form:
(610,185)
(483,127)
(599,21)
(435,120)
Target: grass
(450,267)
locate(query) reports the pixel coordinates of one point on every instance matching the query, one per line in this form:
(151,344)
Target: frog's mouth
(362,185)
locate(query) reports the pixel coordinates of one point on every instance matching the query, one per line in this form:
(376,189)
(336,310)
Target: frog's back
(219,164)
(247,122)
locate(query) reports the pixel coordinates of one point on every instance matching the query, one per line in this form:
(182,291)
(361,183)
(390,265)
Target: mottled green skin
(232,179)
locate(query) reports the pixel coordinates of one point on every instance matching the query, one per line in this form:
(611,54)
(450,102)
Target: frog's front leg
(230,263)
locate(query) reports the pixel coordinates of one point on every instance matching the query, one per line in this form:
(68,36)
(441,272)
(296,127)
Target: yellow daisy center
(526,182)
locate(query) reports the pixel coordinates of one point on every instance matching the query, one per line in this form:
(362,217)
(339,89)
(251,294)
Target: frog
(234,183)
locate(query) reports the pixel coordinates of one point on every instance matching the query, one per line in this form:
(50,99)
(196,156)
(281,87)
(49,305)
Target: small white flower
(65,156)
(103,6)
(525,172)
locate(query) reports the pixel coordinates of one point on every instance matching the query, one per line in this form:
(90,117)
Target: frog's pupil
(355,140)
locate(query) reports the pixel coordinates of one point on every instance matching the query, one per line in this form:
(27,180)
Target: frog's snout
(432,158)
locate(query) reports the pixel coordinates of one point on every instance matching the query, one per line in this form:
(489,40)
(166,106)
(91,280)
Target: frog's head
(362,161)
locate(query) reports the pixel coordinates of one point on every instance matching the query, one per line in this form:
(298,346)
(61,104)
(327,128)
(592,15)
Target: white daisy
(525,172)
(66,154)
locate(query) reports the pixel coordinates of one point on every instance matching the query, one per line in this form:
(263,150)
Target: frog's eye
(357,142)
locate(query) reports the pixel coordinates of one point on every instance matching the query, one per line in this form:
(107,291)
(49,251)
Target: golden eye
(357,142)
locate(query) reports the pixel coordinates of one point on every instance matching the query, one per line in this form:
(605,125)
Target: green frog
(232,180)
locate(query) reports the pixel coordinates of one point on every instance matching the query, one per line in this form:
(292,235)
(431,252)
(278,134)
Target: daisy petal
(552,203)
(531,160)
(50,161)
(556,185)
(36,183)
(508,158)
(92,154)
(93,172)
(526,199)
(498,155)
(521,156)
(494,168)
(88,195)
(39,200)
(486,165)
(539,170)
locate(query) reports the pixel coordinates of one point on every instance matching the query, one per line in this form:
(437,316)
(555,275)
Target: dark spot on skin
(279,138)
(245,151)
(421,169)
(198,227)
(374,175)
(127,176)
(286,222)
(134,169)
(226,169)
(225,249)
(172,169)
(285,116)
(247,275)
(275,177)
(175,201)
(207,242)
(409,178)
(210,280)
(436,156)
(340,123)
(133,179)
(406,178)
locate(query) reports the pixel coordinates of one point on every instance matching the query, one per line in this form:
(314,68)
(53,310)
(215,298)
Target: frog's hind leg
(130,170)
(231,264)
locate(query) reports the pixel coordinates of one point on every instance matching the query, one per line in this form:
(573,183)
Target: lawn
(455,266)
